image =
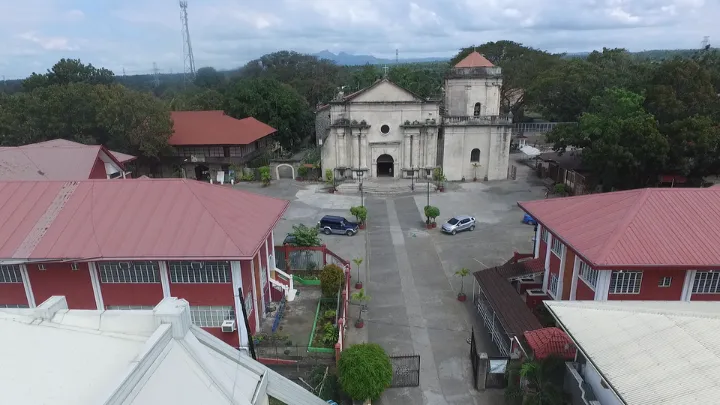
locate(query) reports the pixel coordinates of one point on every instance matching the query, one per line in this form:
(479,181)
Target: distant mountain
(346,59)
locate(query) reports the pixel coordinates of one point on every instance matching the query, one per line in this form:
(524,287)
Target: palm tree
(358,284)
(541,382)
(362,300)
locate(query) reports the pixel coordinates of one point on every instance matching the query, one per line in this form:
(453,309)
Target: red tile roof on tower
(52,160)
(550,341)
(215,128)
(474,60)
(150,219)
(655,227)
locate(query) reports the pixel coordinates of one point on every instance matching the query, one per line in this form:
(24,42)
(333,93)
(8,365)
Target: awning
(530,151)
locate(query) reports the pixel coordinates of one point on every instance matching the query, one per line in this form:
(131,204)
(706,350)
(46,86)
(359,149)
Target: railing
(288,284)
(296,259)
(540,127)
(580,391)
(479,120)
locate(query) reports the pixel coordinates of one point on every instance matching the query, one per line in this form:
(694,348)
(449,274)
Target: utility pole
(188,58)
(706,43)
(156,75)
(397,59)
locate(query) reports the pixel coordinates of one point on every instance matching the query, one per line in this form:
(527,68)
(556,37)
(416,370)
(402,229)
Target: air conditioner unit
(228,326)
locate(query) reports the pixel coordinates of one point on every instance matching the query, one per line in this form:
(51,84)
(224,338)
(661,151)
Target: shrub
(303,171)
(431,212)
(248,177)
(305,236)
(562,189)
(330,335)
(364,371)
(328,176)
(360,213)
(331,279)
(438,174)
(265,175)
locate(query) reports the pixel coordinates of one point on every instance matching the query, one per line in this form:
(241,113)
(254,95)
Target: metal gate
(474,358)
(406,371)
(488,372)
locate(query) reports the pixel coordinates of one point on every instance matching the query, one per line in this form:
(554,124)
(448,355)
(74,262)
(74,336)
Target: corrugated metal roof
(650,353)
(473,60)
(215,128)
(674,227)
(142,218)
(121,157)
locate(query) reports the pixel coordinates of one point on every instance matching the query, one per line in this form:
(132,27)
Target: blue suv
(330,224)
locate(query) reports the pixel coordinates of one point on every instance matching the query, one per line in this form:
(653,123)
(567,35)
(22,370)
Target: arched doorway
(385,166)
(202,173)
(284,171)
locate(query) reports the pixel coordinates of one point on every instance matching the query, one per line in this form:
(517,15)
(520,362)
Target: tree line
(622,147)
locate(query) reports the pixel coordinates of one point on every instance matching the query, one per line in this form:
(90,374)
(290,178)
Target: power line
(156,75)
(188,58)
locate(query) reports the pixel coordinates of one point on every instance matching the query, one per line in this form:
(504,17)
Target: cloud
(133,34)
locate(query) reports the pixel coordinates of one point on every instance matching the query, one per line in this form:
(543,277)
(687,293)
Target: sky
(135,34)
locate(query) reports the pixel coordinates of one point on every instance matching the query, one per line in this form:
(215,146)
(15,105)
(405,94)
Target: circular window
(385,129)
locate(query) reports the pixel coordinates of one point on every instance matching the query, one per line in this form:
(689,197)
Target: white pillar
(164,278)
(256,307)
(576,273)
(561,274)
(28,287)
(546,276)
(538,232)
(407,161)
(97,290)
(602,287)
(688,285)
(236,272)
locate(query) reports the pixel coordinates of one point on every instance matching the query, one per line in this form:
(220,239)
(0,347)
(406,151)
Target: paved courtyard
(413,307)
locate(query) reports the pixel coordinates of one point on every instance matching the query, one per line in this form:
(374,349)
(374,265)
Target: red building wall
(543,250)
(131,293)
(554,267)
(203,294)
(232,339)
(705,297)
(98,171)
(650,291)
(60,279)
(568,274)
(583,291)
(13,294)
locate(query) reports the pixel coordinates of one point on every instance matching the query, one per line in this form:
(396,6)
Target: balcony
(580,392)
(482,120)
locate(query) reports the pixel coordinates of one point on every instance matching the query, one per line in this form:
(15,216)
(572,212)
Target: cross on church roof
(385,70)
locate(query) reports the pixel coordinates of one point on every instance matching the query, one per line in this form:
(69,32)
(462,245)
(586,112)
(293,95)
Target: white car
(459,223)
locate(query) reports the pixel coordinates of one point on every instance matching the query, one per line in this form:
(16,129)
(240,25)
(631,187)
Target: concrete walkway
(413,309)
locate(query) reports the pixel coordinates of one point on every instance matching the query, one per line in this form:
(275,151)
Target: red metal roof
(215,128)
(119,156)
(475,59)
(51,161)
(655,227)
(550,341)
(138,219)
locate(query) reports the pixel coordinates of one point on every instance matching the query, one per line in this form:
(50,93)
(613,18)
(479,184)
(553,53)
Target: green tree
(202,100)
(621,144)
(544,382)
(209,78)
(68,71)
(364,371)
(275,104)
(305,236)
(332,278)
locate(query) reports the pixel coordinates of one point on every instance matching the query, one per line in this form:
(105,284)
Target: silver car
(459,223)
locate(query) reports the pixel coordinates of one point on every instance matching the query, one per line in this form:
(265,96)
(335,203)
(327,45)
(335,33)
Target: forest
(637,115)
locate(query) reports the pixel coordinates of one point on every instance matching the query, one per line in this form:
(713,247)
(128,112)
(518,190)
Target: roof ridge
(619,229)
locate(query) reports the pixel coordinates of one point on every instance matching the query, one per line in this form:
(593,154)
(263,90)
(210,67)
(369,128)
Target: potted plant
(475,166)
(361,298)
(360,214)
(439,176)
(265,175)
(330,180)
(358,284)
(431,213)
(462,273)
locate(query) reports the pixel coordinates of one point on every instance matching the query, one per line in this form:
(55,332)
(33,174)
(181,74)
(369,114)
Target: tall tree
(68,71)
(274,103)
(209,78)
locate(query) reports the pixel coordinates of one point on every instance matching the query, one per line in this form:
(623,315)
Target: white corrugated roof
(650,352)
(52,355)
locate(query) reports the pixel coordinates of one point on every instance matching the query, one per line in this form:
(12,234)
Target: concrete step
(389,188)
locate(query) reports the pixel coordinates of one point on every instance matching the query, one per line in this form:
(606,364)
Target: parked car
(330,224)
(290,239)
(527,219)
(459,223)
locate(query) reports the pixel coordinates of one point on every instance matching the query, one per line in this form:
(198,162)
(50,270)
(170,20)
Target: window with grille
(665,282)
(544,234)
(625,282)
(207,272)
(553,284)
(706,282)
(557,247)
(476,110)
(249,303)
(129,272)
(211,316)
(10,273)
(588,274)
(128,307)
(14,306)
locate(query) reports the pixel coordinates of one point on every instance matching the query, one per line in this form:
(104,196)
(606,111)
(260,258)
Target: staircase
(385,187)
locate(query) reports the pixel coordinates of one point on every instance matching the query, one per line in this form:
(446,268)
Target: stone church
(387,131)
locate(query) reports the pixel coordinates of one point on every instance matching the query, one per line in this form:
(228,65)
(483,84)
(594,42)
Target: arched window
(476,112)
(475,155)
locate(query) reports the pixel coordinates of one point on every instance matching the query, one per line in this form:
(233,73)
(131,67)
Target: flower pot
(434,225)
(429,226)
(362,226)
(331,191)
(359,324)
(461,297)
(474,178)
(359,285)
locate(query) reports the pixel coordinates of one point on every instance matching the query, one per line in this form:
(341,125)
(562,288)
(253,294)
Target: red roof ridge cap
(618,233)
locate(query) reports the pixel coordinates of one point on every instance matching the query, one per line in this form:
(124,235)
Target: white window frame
(129,307)
(10,274)
(211,316)
(208,272)
(41,267)
(14,306)
(706,282)
(544,234)
(665,282)
(557,244)
(625,282)
(553,284)
(138,272)
(588,274)
(74,266)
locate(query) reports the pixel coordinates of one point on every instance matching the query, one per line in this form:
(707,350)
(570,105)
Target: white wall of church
(462,94)
(494,145)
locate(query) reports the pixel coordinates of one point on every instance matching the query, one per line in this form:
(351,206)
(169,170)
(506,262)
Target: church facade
(387,131)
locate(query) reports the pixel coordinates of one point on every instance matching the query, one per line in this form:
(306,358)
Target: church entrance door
(385,166)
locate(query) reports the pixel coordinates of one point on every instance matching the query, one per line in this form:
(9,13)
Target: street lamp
(428,186)
(412,178)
